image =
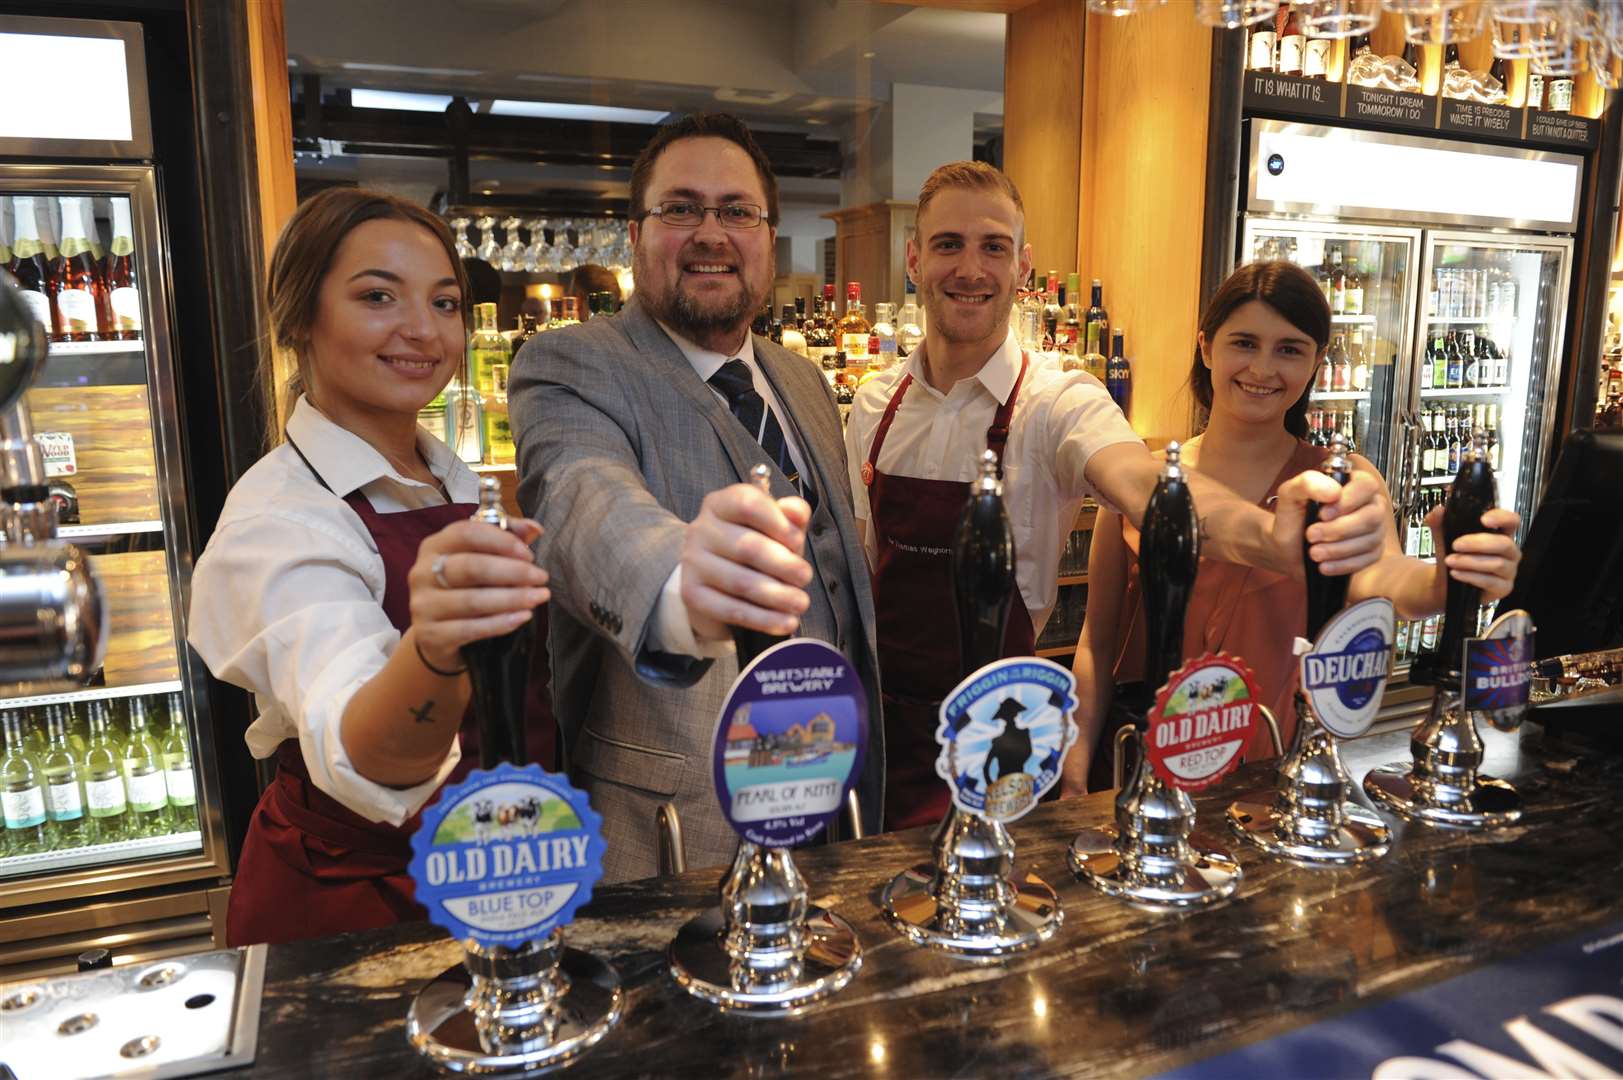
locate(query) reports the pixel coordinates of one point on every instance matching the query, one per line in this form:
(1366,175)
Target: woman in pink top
(1261,340)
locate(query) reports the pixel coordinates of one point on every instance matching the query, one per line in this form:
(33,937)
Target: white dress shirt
(672,629)
(1061,419)
(287,599)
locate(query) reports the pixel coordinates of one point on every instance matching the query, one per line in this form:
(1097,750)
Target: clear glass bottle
(143,776)
(64,783)
(123,283)
(909,324)
(884,328)
(179,775)
(104,779)
(854,331)
(22,792)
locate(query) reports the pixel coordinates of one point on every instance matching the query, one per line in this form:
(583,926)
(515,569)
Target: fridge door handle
(1407,487)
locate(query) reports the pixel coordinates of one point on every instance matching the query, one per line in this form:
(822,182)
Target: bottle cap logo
(506,856)
(789,742)
(1345,671)
(1202,719)
(1004,733)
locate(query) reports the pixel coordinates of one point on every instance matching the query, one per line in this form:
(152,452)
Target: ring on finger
(437,568)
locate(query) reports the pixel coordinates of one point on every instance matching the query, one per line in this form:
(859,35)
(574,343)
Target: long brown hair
(1289,290)
(304,254)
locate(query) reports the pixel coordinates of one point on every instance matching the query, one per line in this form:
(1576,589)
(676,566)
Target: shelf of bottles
(88,780)
(1363,278)
(1071,603)
(101,773)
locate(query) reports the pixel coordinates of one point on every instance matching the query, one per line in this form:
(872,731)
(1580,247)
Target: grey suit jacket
(618,443)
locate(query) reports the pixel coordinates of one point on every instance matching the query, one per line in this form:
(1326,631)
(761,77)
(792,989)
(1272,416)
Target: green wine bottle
(22,792)
(64,782)
(104,779)
(143,776)
(178,774)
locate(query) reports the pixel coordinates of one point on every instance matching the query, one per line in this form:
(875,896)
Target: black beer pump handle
(1326,594)
(1472,494)
(752,643)
(498,667)
(1168,560)
(983,570)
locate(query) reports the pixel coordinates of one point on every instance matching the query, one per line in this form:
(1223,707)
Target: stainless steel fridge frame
(139,183)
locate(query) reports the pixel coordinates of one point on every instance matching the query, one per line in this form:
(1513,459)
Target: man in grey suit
(635,434)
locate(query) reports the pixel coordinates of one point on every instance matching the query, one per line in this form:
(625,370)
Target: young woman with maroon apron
(914,521)
(310,866)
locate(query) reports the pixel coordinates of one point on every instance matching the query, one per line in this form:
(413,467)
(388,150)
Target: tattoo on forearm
(424,713)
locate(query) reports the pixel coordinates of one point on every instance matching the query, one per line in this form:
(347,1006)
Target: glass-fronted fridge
(1448,270)
(114,832)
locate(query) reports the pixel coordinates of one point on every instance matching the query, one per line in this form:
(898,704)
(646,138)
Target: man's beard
(695,319)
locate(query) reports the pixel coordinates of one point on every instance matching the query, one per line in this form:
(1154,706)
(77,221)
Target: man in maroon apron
(914,442)
(312,867)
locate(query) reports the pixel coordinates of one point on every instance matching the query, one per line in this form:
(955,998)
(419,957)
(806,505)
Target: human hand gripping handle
(741,565)
(1350,531)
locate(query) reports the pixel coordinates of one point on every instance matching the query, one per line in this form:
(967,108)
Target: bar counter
(1119,991)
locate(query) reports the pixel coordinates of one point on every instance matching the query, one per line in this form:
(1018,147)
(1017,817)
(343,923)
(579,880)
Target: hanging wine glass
(488,251)
(1340,18)
(1121,7)
(464,247)
(1234,14)
(1439,22)
(535,256)
(513,249)
(1524,28)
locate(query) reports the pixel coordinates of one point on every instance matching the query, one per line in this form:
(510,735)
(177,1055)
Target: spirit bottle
(819,335)
(28,266)
(794,339)
(22,792)
(179,774)
(490,361)
(854,331)
(1097,318)
(909,325)
(123,287)
(64,783)
(884,332)
(142,763)
(1052,312)
(104,779)
(82,307)
(1119,375)
(1071,331)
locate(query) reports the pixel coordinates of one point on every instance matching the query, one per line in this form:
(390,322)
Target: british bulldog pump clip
(503,860)
(1003,732)
(1312,817)
(1193,734)
(788,746)
(1489,676)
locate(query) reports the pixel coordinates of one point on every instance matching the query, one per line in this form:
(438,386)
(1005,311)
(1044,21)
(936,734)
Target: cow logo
(1202,719)
(1004,733)
(507,855)
(1499,670)
(1345,671)
(789,742)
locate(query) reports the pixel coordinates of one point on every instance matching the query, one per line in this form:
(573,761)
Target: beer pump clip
(503,860)
(1004,732)
(1488,676)
(1193,735)
(53,618)
(1312,817)
(789,744)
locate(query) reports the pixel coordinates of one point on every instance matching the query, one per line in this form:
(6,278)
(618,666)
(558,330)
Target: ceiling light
(869,55)
(399,99)
(560,110)
(817,120)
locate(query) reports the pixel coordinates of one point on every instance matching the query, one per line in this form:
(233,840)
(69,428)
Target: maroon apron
(917,616)
(309,865)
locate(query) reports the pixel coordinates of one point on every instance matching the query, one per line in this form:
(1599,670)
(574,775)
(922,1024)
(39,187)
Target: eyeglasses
(680,214)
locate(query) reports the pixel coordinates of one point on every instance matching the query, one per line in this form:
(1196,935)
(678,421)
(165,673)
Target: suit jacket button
(833,586)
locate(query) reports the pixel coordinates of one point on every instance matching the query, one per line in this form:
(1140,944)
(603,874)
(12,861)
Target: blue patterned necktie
(735,383)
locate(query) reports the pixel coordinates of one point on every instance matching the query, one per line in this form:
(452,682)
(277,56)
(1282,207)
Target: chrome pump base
(512,1011)
(765,949)
(1441,785)
(969,902)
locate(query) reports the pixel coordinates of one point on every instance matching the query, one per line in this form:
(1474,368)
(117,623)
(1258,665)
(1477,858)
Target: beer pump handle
(752,643)
(1326,594)
(1472,494)
(499,667)
(1168,559)
(983,565)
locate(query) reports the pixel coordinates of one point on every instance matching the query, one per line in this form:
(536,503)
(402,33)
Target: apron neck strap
(997,436)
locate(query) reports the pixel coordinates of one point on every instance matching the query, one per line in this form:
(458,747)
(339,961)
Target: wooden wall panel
(273,137)
(1143,196)
(1042,124)
(141,637)
(112,443)
(871,247)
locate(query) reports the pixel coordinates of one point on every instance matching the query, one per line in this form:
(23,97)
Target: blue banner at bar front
(1554,1012)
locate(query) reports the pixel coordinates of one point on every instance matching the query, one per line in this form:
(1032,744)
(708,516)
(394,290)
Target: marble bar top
(1119,990)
